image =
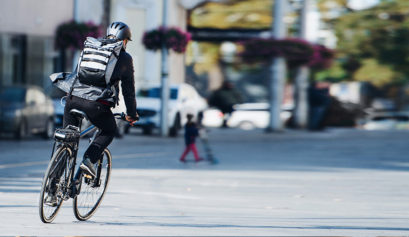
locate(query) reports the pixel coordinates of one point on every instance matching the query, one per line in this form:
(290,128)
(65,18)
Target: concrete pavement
(337,182)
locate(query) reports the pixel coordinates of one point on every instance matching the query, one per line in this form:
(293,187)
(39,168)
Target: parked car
(212,117)
(26,110)
(59,103)
(249,116)
(387,121)
(184,99)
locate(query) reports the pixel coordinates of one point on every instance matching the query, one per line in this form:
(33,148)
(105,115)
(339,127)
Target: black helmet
(120,30)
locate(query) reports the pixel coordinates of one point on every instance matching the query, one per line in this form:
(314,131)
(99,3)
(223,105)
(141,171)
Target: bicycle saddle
(78,113)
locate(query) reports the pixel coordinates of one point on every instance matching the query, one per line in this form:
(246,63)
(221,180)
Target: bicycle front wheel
(91,191)
(54,183)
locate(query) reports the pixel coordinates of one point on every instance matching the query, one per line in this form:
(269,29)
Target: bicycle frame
(75,176)
(63,180)
(88,130)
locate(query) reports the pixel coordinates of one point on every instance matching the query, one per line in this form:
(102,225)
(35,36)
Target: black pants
(100,115)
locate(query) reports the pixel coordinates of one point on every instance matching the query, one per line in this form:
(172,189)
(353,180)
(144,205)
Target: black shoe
(51,200)
(88,167)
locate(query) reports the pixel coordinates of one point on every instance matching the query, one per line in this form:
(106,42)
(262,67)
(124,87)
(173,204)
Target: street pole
(278,70)
(164,79)
(76,54)
(76,11)
(106,15)
(301,80)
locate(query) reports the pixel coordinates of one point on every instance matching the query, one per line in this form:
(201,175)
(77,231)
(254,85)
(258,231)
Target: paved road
(337,182)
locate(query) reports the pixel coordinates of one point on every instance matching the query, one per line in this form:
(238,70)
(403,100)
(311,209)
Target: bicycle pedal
(87,176)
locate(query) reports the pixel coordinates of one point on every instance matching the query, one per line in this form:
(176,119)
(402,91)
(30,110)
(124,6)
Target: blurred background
(345,61)
(287,90)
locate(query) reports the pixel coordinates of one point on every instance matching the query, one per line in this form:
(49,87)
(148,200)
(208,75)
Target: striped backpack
(98,60)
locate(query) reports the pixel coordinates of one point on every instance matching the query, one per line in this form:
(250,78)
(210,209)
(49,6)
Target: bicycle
(62,182)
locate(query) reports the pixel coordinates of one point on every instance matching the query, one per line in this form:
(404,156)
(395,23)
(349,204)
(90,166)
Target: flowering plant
(296,51)
(73,34)
(172,37)
(260,49)
(322,57)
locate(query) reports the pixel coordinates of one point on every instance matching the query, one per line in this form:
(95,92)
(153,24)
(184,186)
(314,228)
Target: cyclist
(98,109)
(97,106)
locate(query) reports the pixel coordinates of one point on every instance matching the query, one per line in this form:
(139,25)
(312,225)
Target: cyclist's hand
(136,116)
(132,120)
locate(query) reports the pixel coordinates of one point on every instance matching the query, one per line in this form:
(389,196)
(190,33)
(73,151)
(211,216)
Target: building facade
(143,15)
(27,33)
(27,29)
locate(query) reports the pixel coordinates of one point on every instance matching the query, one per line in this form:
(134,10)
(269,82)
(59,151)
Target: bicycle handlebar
(122,116)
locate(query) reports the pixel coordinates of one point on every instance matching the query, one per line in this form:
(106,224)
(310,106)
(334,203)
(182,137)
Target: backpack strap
(72,87)
(76,77)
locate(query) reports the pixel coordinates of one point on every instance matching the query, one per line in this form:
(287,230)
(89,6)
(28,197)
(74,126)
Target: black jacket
(124,72)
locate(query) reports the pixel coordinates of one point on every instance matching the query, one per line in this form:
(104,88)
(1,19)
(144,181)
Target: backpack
(98,60)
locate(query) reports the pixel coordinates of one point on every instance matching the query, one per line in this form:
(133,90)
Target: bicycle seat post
(80,115)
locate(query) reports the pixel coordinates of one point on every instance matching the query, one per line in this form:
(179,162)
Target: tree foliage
(331,9)
(376,39)
(248,14)
(296,51)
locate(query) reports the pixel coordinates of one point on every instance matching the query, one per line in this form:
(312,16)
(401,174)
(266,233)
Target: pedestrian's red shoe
(200,159)
(182,160)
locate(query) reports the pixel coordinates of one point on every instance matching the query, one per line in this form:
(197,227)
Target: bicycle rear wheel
(54,183)
(92,190)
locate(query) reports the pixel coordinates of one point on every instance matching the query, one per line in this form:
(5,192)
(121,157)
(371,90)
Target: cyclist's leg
(103,118)
(70,119)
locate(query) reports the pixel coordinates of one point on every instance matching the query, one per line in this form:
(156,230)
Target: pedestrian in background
(224,99)
(191,132)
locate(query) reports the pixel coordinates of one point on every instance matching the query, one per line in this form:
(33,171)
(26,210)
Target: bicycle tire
(90,197)
(48,213)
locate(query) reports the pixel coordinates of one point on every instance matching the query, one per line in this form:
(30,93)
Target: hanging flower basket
(260,49)
(172,37)
(72,34)
(296,51)
(322,57)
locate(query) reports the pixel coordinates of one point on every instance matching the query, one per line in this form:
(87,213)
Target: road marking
(125,156)
(160,194)
(170,195)
(23,164)
(135,155)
